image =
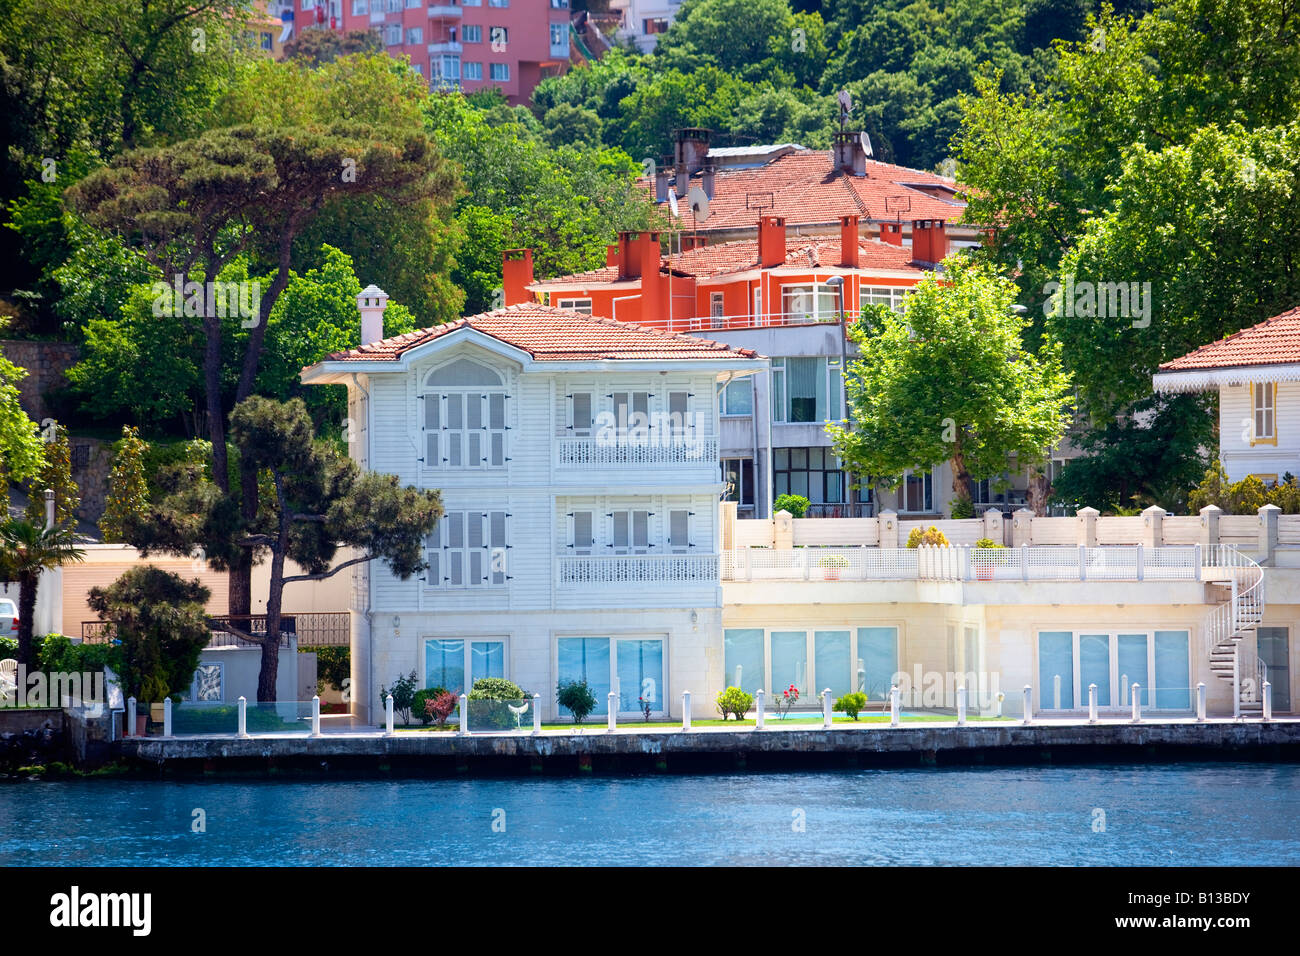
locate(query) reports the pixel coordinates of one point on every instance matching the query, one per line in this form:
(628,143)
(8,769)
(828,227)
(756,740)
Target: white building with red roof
(578,463)
(1257,374)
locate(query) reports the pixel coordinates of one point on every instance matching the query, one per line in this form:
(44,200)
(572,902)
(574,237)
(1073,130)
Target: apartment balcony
(603,571)
(448,46)
(764,320)
(576,454)
(1044,563)
(445,11)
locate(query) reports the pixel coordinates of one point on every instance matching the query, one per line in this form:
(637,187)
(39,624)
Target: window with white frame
(629,531)
(472,33)
(559,38)
(414,4)
(916,493)
(415,35)
(738,397)
(468,549)
(889,296)
(360,7)
(446,68)
(1263,400)
(577,305)
(447,661)
(717,309)
(465,417)
(500,72)
(498,3)
(631,667)
(472,3)
(582,413)
(805,389)
(472,71)
(392,34)
(810,303)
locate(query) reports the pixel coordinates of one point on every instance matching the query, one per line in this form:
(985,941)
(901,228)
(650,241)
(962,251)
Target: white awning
(1208,379)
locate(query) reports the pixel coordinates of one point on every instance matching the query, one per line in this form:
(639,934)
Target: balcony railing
(578,572)
(1044,563)
(714,323)
(439,10)
(317,629)
(576,453)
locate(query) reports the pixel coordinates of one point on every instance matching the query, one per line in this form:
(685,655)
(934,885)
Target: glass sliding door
(1172,671)
(1132,651)
(789,662)
(1056,659)
(640,675)
(743,654)
(1094,667)
(878,661)
(831,665)
(487,659)
(444,665)
(1272,643)
(586,658)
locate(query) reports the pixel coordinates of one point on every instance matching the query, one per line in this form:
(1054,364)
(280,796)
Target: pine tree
(56,474)
(128,494)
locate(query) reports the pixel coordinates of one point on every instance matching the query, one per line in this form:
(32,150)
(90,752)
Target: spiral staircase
(1237,582)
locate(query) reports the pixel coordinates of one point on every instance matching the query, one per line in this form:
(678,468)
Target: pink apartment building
(458,44)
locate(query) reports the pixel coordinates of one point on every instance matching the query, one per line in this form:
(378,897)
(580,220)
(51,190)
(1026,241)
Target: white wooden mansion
(584,537)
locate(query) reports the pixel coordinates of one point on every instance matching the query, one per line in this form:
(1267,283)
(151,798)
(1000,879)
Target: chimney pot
(849,153)
(516,276)
(771,241)
(371,303)
(849,250)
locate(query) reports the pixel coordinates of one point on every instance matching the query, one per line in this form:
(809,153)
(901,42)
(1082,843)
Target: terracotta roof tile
(554,335)
(1274,341)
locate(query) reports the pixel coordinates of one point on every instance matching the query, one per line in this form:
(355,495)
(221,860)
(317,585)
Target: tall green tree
(55,475)
(21,451)
(128,492)
(950,380)
(318,503)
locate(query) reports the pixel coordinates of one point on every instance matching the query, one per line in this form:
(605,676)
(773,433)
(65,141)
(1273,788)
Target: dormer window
(1263,403)
(464,417)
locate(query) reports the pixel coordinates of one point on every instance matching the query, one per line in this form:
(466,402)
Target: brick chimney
(929,240)
(517,275)
(771,241)
(662,175)
(849,250)
(372,302)
(611,255)
(690,155)
(892,233)
(850,154)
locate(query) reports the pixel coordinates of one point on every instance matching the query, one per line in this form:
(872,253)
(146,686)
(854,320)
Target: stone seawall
(625,751)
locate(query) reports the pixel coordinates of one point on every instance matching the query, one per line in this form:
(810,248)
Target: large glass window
(444,665)
(805,389)
(738,397)
(635,666)
(743,655)
(1157,661)
(831,662)
(890,296)
(1094,667)
(1132,654)
(1056,659)
(640,674)
(917,492)
(1272,643)
(738,473)
(812,472)
(810,303)
(877,661)
(789,661)
(1172,671)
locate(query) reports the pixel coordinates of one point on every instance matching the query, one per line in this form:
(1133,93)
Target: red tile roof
(741,255)
(1274,341)
(556,335)
(806,188)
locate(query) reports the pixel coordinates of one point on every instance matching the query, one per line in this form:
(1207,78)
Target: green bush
(58,654)
(419,702)
(852,704)
(403,691)
(499,693)
(495,688)
(576,697)
(733,700)
(8,648)
(797,505)
(963,508)
(988,543)
(333,665)
(931,537)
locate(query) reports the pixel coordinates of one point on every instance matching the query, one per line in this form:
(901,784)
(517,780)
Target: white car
(8,618)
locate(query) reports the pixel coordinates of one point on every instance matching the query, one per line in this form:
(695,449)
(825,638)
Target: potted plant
(983,562)
(832,565)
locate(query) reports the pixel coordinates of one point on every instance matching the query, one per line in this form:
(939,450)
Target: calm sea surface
(1127,815)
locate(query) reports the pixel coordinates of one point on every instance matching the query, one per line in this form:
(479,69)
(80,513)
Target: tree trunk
(1039,491)
(27,585)
(271,643)
(961,483)
(240,578)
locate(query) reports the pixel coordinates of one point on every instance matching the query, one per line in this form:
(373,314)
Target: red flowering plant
(645,707)
(788,699)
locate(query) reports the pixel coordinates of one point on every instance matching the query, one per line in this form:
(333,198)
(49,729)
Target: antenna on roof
(846,107)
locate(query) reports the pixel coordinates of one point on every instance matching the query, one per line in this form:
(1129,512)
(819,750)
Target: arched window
(465,417)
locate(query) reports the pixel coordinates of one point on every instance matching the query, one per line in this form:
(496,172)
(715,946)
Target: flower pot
(141,725)
(831,574)
(984,572)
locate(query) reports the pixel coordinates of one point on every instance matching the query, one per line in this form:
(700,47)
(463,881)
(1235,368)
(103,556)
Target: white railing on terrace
(651,452)
(1028,563)
(706,323)
(577,572)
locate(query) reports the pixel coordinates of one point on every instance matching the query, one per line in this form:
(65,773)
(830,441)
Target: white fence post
(1024,562)
(537,713)
(826,708)
(1268,702)
(611,718)
(1083,562)
(1092,703)
(388,715)
(243,716)
(1123,687)
(1200,701)
(961,705)
(1029,704)
(315,715)
(686,710)
(464,714)
(167,716)
(130,716)
(1137,703)
(894,694)
(758,709)
(1056,692)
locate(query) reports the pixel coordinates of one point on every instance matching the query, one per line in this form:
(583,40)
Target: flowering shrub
(733,700)
(788,699)
(931,536)
(439,708)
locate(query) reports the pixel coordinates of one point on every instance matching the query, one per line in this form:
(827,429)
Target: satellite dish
(698,200)
(672,200)
(865,140)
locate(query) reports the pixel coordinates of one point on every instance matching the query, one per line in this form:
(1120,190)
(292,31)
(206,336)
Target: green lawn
(793,724)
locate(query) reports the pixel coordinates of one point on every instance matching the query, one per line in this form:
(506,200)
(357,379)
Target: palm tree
(27,549)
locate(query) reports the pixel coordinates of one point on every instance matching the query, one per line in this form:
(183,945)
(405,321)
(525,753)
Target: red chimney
(929,240)
(771,241)
(517,275)
(849,242)
(629,261)
(611,255)
(654,292)
(892,233)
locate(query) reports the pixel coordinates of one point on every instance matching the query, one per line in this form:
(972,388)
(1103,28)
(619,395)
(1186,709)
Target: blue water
(1186,815)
